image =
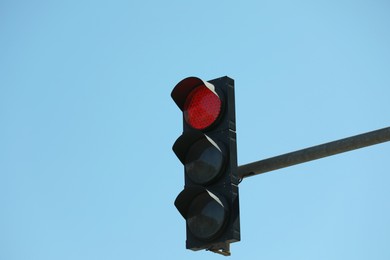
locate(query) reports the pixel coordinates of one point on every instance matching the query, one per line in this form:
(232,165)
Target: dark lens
(206,216)
(203,162)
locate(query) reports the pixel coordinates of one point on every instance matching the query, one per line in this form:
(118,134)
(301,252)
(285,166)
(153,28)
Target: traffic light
(207,148)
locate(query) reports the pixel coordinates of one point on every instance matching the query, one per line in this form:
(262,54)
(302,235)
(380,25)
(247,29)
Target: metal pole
(315,152)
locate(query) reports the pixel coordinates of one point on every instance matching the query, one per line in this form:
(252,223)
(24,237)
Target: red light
(202,108)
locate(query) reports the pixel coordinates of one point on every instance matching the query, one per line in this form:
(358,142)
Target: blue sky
(87,125)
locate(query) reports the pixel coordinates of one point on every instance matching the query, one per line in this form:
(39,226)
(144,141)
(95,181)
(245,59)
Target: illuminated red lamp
(199,102)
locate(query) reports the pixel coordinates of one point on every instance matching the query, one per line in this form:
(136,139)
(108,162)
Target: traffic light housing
(207,148)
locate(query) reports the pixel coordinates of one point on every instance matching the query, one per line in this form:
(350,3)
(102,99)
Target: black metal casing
(223,133)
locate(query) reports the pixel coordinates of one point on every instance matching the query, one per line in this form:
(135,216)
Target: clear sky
(87,125)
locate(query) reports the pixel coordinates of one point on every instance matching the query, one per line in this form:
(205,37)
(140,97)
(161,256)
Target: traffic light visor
(202,158)
(199,102)
(206,212)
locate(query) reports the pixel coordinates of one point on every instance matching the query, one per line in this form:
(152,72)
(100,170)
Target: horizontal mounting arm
(314,152)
